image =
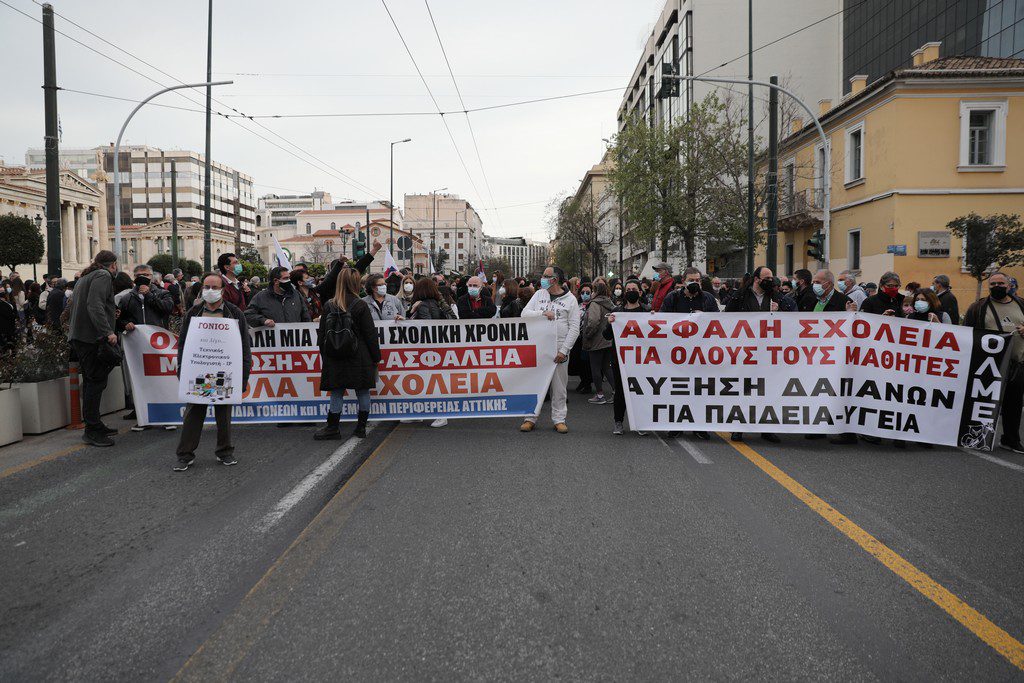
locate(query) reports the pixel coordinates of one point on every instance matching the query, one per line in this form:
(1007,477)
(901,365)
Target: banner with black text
(825,373)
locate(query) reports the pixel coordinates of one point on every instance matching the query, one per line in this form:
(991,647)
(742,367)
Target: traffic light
(358,248)
(816,246)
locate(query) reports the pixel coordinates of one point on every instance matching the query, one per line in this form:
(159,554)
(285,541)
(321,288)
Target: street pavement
(477,552)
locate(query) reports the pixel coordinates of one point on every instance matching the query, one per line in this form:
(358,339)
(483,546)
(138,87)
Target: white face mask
(382,290)
(407,287)
(67,293)
(501,291)
(212,296)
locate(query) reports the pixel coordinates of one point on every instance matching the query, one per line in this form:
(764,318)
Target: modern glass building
(879,35)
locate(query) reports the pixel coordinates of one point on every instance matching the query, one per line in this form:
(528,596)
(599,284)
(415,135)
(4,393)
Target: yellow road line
(976,622)
(10,471)
(240,630)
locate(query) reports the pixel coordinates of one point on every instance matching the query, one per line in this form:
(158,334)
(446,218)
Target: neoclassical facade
(82,213)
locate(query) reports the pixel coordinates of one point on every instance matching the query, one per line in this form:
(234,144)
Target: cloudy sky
(344,56)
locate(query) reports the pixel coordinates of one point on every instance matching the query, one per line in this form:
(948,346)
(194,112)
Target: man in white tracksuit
(559,305)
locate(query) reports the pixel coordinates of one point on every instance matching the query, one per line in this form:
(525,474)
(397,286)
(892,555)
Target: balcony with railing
(803,209)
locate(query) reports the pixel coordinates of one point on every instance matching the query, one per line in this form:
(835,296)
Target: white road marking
(694,452)
(994,459)
(310,481)
(19,544)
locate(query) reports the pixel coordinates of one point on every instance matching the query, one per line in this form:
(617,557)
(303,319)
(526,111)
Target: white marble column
(83,235)
(66,235)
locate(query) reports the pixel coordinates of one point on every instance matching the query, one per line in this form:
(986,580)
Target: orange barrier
(74,387)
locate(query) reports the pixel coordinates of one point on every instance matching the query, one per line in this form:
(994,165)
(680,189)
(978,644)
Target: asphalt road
(477,552)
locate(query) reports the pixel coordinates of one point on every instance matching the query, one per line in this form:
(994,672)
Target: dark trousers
(619,402)
(93,377)
(1013,404)
(600,362)
(192,429)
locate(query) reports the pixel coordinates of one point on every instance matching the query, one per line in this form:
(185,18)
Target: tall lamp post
(117,156)
(433,229)
(391,196)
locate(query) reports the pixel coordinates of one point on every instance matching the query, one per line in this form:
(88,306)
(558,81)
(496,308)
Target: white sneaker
(439,422)
(169,428)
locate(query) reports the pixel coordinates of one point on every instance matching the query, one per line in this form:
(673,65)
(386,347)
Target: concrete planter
(10,416)
(44,405)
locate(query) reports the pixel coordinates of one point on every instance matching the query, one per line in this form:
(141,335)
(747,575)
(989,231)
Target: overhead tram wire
(341,176)
(472,133)
(437,106)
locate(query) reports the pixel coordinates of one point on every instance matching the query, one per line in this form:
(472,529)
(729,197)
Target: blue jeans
(362,397)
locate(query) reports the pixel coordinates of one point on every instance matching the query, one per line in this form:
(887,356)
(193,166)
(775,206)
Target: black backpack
(339,338)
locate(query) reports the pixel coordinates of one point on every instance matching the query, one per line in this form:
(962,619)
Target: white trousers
(559,393)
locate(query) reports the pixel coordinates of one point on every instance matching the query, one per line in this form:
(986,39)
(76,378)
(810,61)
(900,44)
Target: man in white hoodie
(557,304)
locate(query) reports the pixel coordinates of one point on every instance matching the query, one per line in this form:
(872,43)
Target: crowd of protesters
(103,302)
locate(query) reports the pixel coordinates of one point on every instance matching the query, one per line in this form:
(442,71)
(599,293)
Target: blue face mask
(819,289)
(238,269)
(921,306)
(841,285)
(656,277)
(474,292)
(545,283)
(585,296)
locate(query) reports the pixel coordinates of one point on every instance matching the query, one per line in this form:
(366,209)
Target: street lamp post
(826,171)
(117,156)
(391,195)
(433,229)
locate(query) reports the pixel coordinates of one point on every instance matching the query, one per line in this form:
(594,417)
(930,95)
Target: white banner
(211,368)
(824,373)
(429,369)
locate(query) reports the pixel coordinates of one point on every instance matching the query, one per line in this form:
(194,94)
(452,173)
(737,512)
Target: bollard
(74,384)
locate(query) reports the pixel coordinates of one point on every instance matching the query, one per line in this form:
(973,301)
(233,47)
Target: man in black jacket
(1003,312)
(475,303)
(803,289)
(690,297)
(213,306)
(949,303)
(888,301)
(825,296)
(148,303)
(760,296)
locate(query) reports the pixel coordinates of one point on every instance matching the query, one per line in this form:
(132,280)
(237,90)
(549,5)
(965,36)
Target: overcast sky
(316,56)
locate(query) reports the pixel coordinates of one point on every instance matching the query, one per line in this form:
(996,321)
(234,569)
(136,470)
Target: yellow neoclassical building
(910,152)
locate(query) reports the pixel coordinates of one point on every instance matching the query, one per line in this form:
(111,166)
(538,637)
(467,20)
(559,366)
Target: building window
(334,226)
(855,153)
(789,259)
(983,136)
(309,228)
(853,250)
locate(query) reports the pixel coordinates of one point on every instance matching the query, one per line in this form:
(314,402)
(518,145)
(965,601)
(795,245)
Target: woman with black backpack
(349,353)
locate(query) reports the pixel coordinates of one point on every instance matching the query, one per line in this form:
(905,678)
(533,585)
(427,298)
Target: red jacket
(664,287)
(234,295)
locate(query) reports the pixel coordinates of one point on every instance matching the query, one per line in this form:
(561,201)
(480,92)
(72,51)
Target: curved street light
(117,157)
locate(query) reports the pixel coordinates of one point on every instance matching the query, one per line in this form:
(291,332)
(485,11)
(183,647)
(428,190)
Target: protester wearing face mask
(616,287)
(511,306)
(383,306)
(212,305)
(597,346)
(475,304)
(940,285)
(278,303)
(406,289)
(1003,312)
(663,284)
(554,302)
(690,297)
(847,284)
(888,301)
(630,304)
(925,306)
(236,291)
(826,297)
(306,287)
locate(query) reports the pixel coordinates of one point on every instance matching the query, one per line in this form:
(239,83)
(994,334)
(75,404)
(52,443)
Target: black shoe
(107,431)
(228,459)
(844,439)
(329,430)
(703,436)
(583,389)
(737,436)
(130,415)
(98,439)
(360,430)
(771,438)
(184,464)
